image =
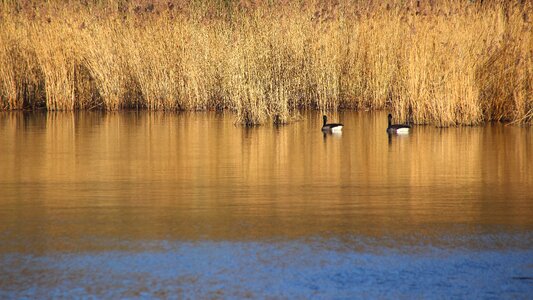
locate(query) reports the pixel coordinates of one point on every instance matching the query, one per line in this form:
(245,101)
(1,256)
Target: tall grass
(445,63)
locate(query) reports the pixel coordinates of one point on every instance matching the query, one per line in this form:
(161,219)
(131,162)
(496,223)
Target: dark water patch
(523,278)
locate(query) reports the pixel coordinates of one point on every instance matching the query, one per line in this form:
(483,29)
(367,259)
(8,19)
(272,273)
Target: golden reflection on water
(66,178)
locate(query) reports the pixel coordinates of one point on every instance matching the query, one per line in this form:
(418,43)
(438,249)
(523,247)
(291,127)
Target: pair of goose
(392,128)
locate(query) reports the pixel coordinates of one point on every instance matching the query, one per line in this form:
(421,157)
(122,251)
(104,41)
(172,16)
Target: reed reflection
(196,175)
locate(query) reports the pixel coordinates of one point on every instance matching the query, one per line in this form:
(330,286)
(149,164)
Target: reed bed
(444,63)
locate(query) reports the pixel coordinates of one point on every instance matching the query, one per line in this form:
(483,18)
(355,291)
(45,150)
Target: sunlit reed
(446,63)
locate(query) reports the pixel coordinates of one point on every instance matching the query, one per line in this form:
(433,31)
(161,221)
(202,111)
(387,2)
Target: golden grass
(447,63)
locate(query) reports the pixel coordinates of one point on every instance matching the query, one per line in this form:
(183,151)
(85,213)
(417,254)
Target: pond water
(189,205)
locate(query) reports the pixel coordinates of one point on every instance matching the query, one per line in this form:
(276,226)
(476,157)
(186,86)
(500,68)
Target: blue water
(308,268)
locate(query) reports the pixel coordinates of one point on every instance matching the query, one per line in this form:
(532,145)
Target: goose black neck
(325,120)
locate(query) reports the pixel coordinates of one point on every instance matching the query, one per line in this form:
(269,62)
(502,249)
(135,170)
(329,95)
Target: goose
(397,128)
(332,127)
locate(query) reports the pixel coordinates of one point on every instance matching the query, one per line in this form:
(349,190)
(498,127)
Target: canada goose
(333,127)
(397,128)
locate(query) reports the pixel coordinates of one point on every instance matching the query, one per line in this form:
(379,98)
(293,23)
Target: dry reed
(445,63)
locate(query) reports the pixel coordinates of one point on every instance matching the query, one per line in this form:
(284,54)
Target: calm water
(118,205)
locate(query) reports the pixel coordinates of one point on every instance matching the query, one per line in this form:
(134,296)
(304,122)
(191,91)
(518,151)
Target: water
(127,205)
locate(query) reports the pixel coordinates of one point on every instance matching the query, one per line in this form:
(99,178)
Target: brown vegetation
(431,62)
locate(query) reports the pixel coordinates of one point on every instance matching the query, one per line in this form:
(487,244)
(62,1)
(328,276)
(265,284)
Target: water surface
(140,204)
